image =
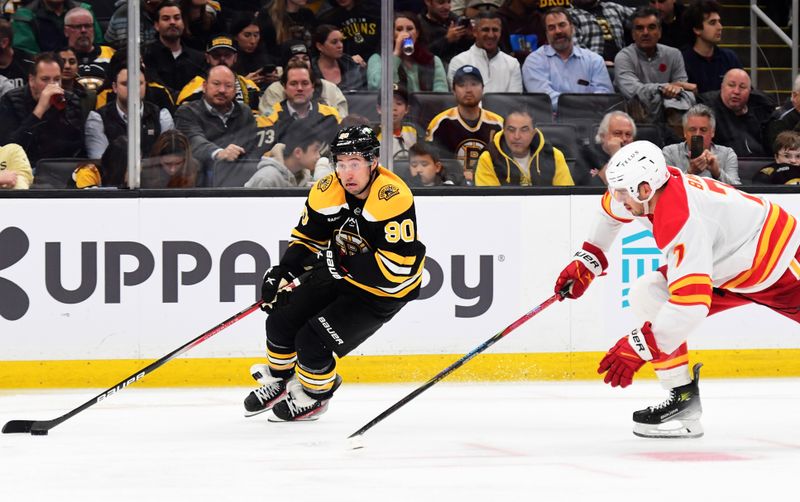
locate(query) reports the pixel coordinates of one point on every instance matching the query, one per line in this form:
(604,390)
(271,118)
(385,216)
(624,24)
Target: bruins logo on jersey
(387,192)
(325,183)
(351,243)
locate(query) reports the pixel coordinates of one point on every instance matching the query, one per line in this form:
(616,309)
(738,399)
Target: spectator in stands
(404,134)
(520,155)
(111,121)
(5,85)
(359,21)
(707,63)
(600,26)
(219,128)
(155,93)
(708,159)
(561,67)
(466,129)
(284,20)
(786,168)
(291,162)
(201,21)
(173,63)
(14,64)
(332,64)
(170,163)
(616,130)
(93,59)
(222,51)
(425,167)
(501,71)
(117,30)
(673,29)
(251,61)
(415,68)
(326,92)
(523,27)
(300,103)
(652,76)
(70,82)
(15,168)
(40,117)
(787,118)
(448,33)
(742,114)
(39,25)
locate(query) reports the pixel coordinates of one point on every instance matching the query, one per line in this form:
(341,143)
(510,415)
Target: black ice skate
(299,406)
(677,417)
(262,399)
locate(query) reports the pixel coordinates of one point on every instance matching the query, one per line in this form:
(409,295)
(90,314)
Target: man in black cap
(326,92)
(222,50)
(465,129)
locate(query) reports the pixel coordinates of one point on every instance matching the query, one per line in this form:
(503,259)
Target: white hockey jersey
(713,236)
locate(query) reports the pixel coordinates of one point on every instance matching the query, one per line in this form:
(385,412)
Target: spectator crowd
(486,93)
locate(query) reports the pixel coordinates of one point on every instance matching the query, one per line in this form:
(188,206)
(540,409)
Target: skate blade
(674,429)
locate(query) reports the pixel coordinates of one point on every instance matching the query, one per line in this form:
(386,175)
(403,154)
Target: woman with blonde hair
(284,20)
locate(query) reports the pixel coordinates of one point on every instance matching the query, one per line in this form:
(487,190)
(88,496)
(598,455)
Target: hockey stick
(442,374)
(41,427)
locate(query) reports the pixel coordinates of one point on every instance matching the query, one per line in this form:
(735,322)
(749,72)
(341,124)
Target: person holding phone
(252,63)
(698,154)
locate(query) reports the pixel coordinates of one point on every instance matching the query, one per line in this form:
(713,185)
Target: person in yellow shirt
(519,155)
(15,168)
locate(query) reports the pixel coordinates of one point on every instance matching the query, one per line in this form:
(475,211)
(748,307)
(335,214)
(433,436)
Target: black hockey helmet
(359,139)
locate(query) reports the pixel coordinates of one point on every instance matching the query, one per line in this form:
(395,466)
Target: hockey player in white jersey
(724,248)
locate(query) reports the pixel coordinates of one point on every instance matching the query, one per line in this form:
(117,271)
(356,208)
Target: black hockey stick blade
(34,427)
(477,350)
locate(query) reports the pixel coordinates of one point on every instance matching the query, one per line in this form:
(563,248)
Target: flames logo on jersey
(387,192)
(325,183)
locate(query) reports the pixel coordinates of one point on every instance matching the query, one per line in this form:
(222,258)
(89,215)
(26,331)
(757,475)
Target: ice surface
(550,441)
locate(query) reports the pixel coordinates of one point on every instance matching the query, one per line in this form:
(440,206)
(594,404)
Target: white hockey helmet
(636,163)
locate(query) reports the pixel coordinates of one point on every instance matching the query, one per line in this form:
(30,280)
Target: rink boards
(95,288)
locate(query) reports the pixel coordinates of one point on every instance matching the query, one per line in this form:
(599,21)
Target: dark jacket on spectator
(114,126)
(778,174)
(353,78)
(743,133)
(784,119)
(37,29)
(59,133)
(359,25)
(174,73)
(436,37)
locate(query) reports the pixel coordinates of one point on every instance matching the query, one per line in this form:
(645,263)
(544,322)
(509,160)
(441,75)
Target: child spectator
(404,134)
(425,168)
(786,168)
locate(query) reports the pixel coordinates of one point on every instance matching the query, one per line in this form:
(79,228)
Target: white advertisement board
(136,278)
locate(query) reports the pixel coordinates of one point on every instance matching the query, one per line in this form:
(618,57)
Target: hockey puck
(35,432)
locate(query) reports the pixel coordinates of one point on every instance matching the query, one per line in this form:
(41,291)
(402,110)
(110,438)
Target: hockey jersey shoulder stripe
(389,197)
(606,203)
(398,291)
(775,235)
(491,117)
(398,259)
(692,289)
(327,196)
(449,114)
(674,211)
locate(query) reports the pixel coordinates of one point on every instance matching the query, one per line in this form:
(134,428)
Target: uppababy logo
(14,302)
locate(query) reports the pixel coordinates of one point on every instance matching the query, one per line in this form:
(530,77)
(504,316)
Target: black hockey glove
(328,266)
(275,278)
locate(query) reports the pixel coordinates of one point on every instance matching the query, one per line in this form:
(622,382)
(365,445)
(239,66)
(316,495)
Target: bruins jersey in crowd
(246,91)
(323,122)
(376,237)
(465,140)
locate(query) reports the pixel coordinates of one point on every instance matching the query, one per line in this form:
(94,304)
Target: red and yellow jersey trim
(775,235)
(692,289)
(606,203)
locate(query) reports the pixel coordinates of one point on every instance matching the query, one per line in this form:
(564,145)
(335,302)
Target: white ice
(549,441)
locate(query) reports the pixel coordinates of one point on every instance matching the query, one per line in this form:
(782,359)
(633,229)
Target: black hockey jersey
(376,237)
(464,141)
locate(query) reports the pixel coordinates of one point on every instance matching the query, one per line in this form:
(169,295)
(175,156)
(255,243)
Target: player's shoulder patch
(672,211)
(327,195)
(329,110)
(389,197)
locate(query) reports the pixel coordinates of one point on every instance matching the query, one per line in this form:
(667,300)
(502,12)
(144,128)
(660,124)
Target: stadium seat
(538,103)
(564,137)
(426,105)
(650,132)
(233,174)
(57,172)
(363,103)
(585,110)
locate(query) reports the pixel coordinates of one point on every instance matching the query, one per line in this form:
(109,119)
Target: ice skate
(299,406)
(677,417)
(262,399)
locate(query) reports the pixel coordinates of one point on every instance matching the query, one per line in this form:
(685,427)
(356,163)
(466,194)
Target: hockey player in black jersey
(358,231)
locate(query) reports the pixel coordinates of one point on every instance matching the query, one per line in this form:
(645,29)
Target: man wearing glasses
(93,59)
(358,235)
(39,26)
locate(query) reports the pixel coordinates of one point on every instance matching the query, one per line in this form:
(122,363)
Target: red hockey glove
(628,355)
(589,263)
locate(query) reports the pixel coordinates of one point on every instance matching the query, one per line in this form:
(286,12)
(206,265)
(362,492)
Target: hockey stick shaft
(442,374)
(42,426)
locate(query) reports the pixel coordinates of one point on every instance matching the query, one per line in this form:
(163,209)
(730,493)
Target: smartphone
(696,147)
(464,21)
(268,68)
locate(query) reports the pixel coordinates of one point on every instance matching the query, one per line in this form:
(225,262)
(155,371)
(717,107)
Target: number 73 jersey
(376,238)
